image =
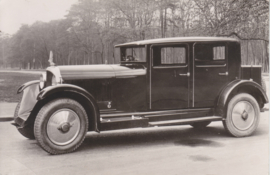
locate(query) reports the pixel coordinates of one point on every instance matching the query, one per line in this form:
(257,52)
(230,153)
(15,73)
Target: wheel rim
(63,127)
(243,115)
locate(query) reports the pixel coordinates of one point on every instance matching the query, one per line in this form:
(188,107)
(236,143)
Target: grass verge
(10,82)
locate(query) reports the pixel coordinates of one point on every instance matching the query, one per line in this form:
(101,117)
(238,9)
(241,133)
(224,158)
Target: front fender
(25,85)
(28,102)
(234,87)
(48,91)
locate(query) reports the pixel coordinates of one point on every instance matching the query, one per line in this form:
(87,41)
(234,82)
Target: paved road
(165,150)
(7,111)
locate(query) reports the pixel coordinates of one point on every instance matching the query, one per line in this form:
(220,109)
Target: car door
(169,77)
(210,72)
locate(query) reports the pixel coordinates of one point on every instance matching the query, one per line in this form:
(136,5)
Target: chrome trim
(166,67)
(160,113)
(224,65)
(187,74)
(80,76)
(251,66)
(150,73)
(211,118)
(43,79)
(225,74)
(188,63)
(56,72)
(193,80)
(104,110)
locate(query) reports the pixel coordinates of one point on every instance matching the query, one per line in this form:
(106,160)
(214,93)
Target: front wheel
(61,126)
(243,115)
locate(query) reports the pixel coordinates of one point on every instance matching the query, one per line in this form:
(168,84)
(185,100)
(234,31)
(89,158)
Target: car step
(185,121)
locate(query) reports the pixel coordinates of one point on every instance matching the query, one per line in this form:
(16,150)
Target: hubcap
(243,115)
(63,127)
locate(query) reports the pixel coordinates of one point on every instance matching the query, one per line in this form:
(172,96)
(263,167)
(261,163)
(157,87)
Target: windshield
(131,54)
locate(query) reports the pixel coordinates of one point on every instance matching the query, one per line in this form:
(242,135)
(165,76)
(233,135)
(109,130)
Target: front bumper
(27,104)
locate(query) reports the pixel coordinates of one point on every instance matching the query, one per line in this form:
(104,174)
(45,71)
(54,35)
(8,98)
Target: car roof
(176,40)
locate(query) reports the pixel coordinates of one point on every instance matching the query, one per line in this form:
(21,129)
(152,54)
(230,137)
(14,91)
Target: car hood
(101,71)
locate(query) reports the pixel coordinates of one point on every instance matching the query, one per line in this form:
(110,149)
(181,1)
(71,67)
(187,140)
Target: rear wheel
(243,115)
(61,126)
(200,125)
(27,131)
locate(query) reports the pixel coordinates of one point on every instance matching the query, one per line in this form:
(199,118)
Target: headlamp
(42,80)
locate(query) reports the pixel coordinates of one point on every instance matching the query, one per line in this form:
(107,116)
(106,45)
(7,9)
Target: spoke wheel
(61,126)
(243,115)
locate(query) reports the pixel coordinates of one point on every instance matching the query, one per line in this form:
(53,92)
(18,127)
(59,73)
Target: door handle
(225,74)
(187,74)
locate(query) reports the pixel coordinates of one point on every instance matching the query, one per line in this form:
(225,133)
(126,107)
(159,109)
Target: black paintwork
(191,85)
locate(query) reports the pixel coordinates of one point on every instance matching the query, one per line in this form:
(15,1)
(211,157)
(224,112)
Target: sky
(14,13)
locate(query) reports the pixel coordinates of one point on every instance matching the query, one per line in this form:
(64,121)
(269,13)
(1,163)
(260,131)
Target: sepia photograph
(134,87)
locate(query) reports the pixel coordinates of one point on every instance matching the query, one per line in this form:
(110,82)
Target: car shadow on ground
(177,135)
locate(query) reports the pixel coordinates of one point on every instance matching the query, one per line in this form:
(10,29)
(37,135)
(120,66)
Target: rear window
(209,53)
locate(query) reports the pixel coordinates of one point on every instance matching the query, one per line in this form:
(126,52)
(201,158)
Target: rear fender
(64,89)
(238,86)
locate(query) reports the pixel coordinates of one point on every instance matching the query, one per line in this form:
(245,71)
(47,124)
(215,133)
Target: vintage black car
(159,82)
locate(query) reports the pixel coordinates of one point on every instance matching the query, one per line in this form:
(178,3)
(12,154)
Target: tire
(243,115)
(61,126)
(200,125)
(27,131)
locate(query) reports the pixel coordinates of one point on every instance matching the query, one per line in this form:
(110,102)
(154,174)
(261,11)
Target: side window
(173,55)
(210,54)
(169,55)
(219,53)
(133,54)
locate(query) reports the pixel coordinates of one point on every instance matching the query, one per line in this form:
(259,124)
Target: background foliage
(92,27)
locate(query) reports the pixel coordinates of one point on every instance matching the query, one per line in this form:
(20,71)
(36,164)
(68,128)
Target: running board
(154,113)
(185,121)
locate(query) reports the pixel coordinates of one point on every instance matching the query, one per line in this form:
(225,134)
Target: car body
(159,82)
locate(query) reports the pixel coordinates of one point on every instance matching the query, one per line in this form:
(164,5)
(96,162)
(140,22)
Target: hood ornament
(51,59)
